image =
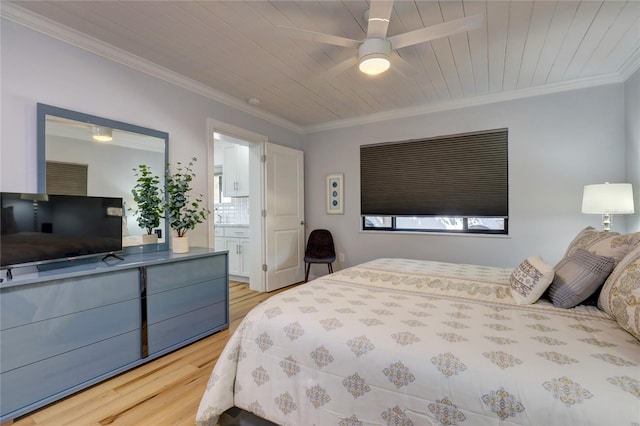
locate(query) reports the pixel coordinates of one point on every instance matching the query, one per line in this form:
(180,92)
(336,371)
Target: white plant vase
(180,244)
(149,239)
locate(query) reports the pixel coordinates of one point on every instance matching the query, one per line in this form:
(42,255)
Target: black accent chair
(319,249)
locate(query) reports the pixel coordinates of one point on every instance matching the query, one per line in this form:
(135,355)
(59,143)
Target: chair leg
(306,274)
(330,268)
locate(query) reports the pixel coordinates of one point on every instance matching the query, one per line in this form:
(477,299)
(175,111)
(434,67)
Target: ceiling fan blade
(436,31)
(401,66)
(340,67)
(320,37)
(379,14)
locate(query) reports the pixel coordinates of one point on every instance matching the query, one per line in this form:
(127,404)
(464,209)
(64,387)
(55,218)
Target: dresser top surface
(66,269)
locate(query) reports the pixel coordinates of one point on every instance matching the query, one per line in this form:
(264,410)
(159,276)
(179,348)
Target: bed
(411,342)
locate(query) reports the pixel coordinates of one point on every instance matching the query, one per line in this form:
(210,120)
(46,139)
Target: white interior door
(284,198)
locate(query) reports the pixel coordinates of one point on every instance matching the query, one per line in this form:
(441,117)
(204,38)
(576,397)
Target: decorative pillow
(620,296)
(577,277)
(8,223)
(530,279)
(602,243)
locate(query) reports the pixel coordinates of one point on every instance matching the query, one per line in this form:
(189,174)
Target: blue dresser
(66,329)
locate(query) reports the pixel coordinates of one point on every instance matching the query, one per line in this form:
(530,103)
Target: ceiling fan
(377,51)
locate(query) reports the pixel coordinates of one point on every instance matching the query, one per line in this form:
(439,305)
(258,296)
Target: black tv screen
(41,228)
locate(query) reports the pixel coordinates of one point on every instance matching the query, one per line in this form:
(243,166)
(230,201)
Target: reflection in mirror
(80,154)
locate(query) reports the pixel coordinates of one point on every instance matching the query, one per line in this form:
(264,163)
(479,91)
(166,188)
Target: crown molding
(75,38)
(466,103)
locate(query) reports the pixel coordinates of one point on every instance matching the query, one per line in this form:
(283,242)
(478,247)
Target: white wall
(632,102)
(36,68)
(557,144)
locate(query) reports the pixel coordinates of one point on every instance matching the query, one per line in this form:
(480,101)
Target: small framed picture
(335,193)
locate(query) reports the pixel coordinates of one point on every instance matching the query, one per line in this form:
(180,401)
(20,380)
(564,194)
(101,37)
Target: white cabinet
(236,241)
(235,171)
(245,264)
(233,245)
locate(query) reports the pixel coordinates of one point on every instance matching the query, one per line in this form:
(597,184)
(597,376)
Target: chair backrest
(320,244)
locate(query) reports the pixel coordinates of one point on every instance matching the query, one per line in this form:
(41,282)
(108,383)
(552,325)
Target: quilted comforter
(407,342)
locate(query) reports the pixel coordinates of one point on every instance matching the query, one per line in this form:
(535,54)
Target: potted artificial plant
(150,206)
(184,212)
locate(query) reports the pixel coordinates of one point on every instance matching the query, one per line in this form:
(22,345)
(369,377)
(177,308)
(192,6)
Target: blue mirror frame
(44,110)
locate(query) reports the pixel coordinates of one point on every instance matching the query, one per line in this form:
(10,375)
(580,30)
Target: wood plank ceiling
(235,48)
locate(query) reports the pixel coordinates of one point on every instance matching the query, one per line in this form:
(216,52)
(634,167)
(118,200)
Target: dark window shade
(66,178)
(458,175)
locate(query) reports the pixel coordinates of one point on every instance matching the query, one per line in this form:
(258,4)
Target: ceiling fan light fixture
(102,134)
(374,64)
(374,56)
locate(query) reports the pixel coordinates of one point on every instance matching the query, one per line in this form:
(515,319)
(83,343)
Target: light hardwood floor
(166,391)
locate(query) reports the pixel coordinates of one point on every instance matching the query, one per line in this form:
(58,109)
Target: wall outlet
(341,257)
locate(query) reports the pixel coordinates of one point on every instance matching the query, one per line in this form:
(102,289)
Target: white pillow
(530,279)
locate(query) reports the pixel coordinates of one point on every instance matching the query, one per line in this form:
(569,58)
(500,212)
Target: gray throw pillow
(578,276)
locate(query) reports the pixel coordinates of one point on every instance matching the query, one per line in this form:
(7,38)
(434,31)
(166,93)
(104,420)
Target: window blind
(66,178)
(457,175)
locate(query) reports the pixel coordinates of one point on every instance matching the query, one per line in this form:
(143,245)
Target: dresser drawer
(71,371)
(51,299)
(171,303)
(181,274)
(176,330)
(45,339)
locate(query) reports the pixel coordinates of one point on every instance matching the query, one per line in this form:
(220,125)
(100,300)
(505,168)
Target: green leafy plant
(148,197)
(184,213)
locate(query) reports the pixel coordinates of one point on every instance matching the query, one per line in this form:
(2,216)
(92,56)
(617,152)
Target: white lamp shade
(612,198)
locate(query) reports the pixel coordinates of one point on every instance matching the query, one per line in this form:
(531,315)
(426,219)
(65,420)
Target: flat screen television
(45,228)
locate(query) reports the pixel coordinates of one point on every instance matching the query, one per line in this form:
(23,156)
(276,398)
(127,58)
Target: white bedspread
(405,342)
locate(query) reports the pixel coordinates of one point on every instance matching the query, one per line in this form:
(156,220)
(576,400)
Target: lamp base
(606,222)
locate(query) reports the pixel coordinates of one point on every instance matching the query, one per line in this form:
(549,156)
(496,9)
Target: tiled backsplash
(236,212)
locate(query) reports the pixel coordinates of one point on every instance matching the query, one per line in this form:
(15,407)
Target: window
(66,178)
(456,183)
(218,197)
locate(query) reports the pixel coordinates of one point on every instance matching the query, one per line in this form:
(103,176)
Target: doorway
(231,202)
(257,193)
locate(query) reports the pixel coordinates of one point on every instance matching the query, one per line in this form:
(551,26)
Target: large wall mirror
(72,160)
